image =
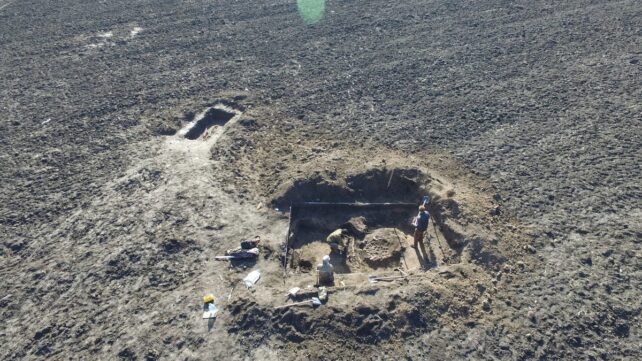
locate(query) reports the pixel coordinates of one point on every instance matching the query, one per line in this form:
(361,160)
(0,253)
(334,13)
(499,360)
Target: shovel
(375,279)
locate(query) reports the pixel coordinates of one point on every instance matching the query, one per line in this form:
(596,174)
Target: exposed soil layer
(378,185)
(311,225)
(527,112)
(372,252)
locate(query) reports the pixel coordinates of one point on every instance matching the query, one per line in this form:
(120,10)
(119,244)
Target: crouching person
(325,272)
(338,240)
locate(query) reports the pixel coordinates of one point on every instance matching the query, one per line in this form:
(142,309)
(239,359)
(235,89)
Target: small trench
(212,117)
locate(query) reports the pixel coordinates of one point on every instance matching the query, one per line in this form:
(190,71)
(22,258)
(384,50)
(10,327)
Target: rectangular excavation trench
(378,247)
(212,117)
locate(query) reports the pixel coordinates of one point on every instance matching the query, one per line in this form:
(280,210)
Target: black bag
(250,243)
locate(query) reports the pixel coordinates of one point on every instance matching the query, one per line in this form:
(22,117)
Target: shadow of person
(421,253)
(426,256)
(431,256)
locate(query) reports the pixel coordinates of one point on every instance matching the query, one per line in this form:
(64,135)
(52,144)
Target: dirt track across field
(139,140)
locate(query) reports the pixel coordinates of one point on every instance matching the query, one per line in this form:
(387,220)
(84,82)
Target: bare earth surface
(523,120)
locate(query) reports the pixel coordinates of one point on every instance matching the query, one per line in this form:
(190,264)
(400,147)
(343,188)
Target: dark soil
(530,111)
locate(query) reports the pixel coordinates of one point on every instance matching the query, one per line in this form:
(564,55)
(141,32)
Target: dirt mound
(366,322)
(365,314)
(356,226)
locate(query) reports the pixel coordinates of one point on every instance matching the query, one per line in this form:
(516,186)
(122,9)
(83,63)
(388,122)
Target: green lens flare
(311,11)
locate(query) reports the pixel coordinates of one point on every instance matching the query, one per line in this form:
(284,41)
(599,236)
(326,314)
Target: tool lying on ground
(375,279)
(239,254)
(401,271)
(314,301)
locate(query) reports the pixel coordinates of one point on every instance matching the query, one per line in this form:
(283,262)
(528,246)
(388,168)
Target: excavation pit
(205,122)
(377,206)
(381,285)
(377,185)
(378,236)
